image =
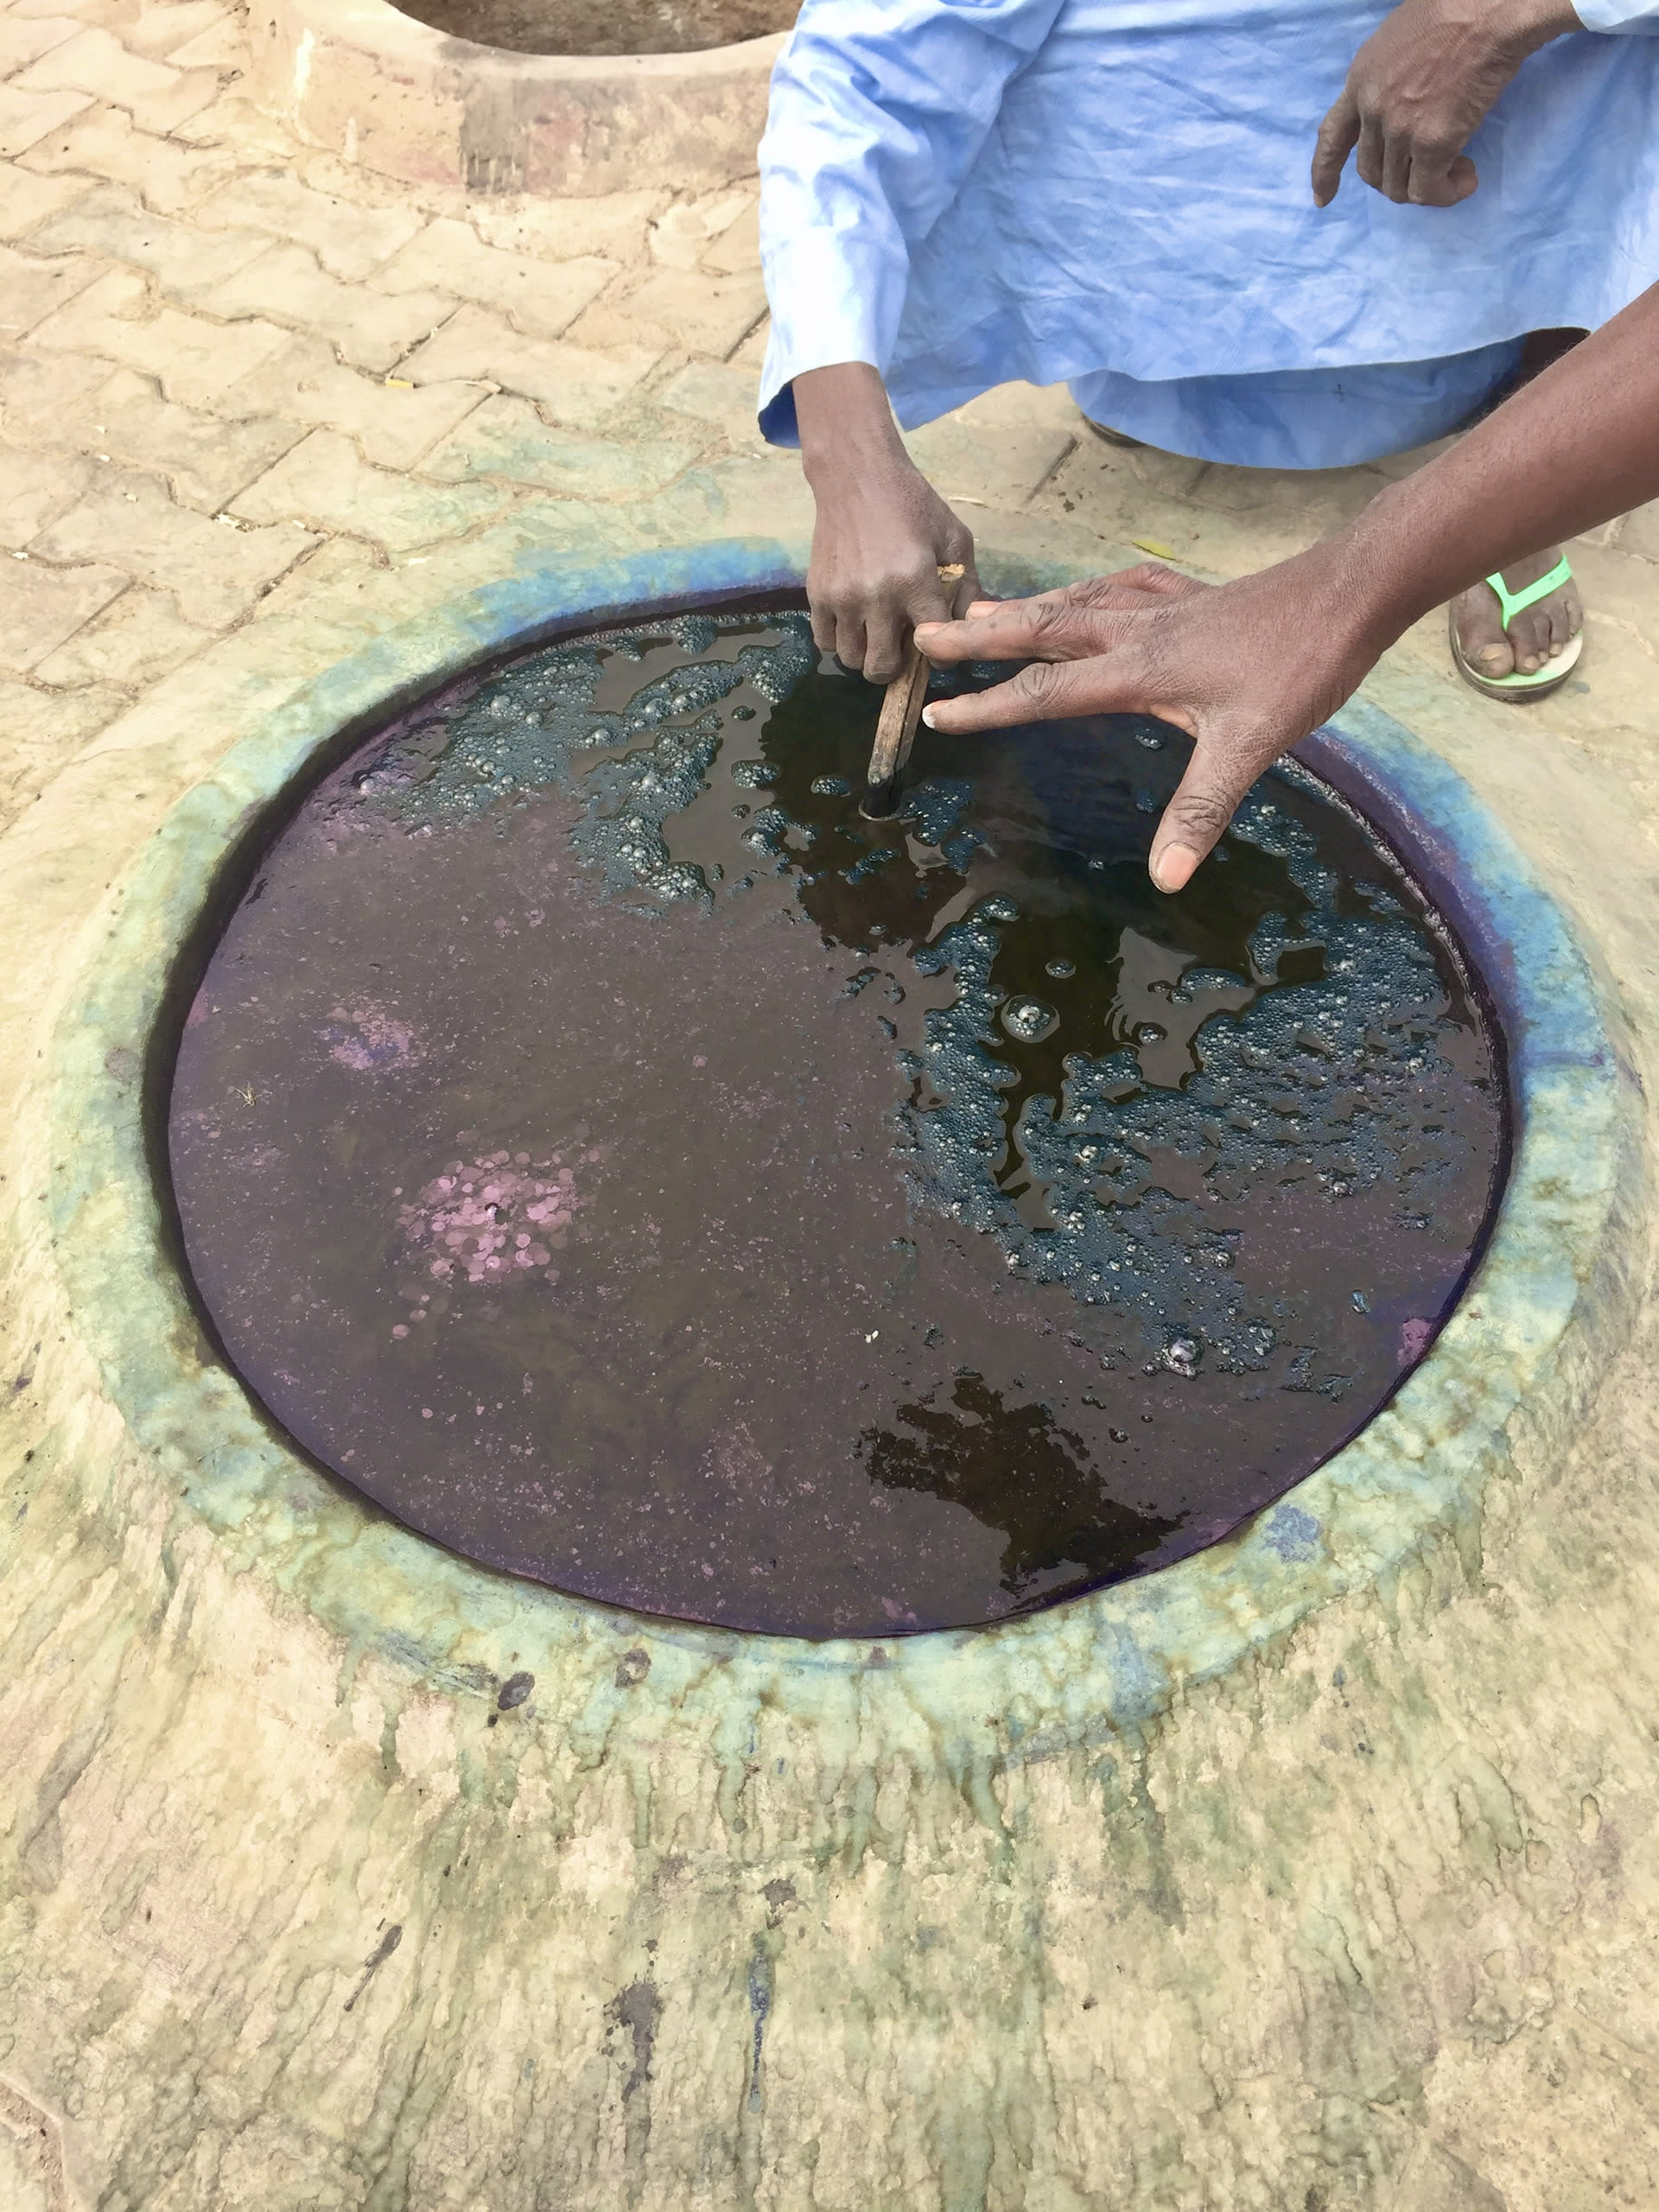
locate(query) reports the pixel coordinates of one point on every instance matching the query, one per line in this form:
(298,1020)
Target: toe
(1566,617)
(1529,638)
(1480,632)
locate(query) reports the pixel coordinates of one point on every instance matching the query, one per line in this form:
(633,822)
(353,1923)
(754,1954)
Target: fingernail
(1171,868)
(927,716)
(921,627)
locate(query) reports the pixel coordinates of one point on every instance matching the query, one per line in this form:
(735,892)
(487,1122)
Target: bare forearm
(1572,449)
(1251,666)
(882,532)
(842,414)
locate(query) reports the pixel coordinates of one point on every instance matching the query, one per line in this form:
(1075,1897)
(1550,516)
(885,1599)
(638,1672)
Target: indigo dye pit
(631,1167)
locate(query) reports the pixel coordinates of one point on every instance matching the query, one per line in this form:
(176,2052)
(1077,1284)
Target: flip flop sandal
(1515,687)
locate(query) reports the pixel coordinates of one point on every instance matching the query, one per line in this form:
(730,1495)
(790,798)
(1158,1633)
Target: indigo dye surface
(633,1169)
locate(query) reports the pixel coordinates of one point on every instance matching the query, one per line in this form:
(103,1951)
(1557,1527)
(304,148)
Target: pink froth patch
(1413,1339)
(489,1220)
(366,1038)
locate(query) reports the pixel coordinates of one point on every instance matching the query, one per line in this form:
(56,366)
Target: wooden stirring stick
(901,710)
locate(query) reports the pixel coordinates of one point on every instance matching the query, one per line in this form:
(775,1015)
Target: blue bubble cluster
(1320,1064)
(1337,1080)
(933,809)
(620,829)
(534,727)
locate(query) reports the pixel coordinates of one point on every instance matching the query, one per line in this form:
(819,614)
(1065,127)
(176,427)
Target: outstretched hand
(1421,87)
(1246,669)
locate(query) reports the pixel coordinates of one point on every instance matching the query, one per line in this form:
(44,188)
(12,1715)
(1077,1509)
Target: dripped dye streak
(635,1169)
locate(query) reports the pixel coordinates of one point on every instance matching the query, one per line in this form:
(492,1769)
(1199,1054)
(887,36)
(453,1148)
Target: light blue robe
(1115,193)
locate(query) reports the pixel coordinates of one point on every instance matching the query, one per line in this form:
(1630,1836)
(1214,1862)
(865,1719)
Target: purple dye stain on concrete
(1292,1534)
(1413,1341)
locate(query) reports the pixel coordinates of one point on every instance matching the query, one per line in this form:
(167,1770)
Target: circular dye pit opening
(605,1148)
(607,26)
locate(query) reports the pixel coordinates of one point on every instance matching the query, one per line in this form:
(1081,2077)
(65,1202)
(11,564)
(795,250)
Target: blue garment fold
(1115,193)
(1303,418)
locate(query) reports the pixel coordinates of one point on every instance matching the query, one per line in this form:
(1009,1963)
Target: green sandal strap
(1511,603)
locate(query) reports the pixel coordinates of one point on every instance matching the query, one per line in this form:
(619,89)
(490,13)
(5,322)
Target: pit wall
(1178,1895)
(373,85)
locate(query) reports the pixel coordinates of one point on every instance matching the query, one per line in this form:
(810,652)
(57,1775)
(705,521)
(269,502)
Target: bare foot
(1536,634)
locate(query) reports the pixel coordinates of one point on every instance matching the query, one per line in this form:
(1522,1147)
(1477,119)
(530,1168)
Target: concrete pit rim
(1499,1391)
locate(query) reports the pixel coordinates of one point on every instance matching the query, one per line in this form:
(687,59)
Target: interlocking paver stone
(737,249)
(110,222)
(25,116)
(765,495)
(222,44)
(40,606)
(95,61)
(1323,496)
(24,39)
(394,424)
(26,199)
(158,31)
(574,383)
(1639,533)
(752,353)
(705,314)
(135,641)
(559,230)
(1123,495)
(204,459)
(717,392)
(215,571)
(31,288)
(232,121)
(34,487)
(166,175)
(40,731)
(372,329)
(85,11)
(36,388)
(349,240)
(196,361)
(163,112)
(962,462)
(324,481)
(681,234)
(540,297)
(1618,591)
(507,437)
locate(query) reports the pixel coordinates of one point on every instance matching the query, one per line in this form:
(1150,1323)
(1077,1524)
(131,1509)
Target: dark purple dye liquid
(634,1170)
